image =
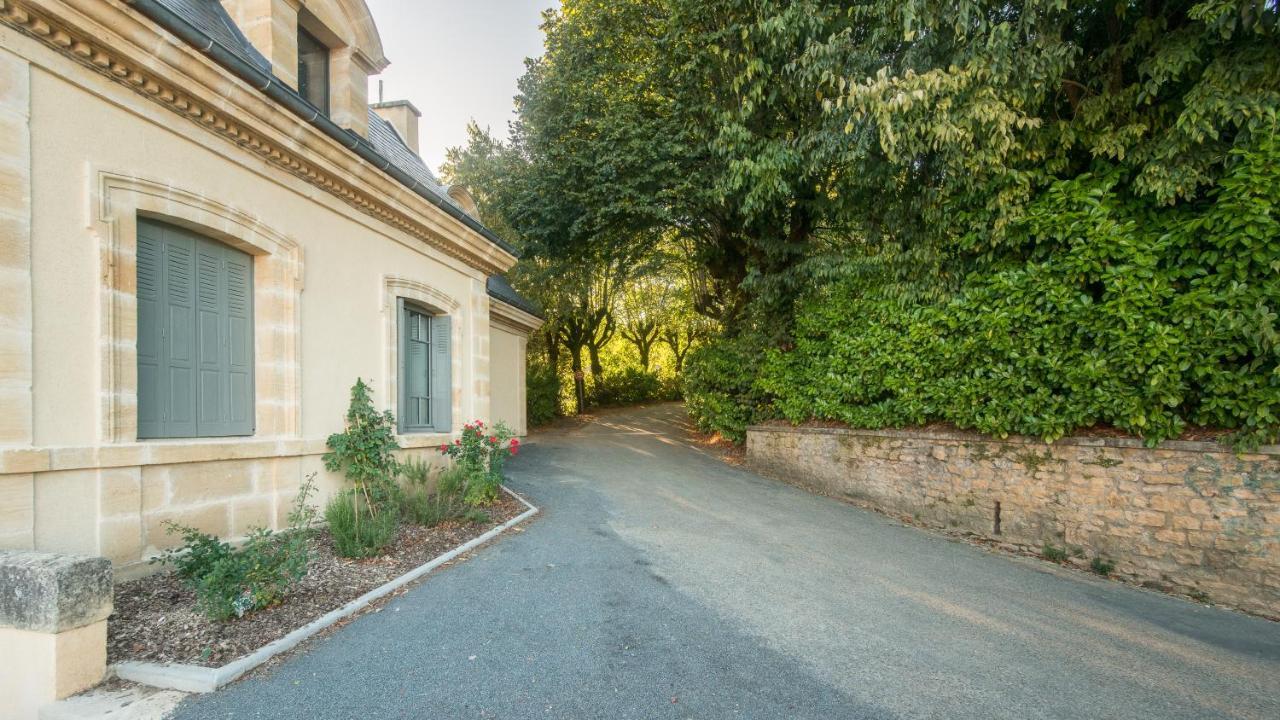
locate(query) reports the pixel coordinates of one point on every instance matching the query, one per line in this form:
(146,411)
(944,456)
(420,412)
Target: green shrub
(719,390)
(630,386)
(542,393)
(480,455)
(230,582)
(357,531)
(1117,312)
(431,498)
(364,520)
(1102,566)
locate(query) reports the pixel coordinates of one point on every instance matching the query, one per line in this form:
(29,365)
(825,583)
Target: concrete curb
(199,679)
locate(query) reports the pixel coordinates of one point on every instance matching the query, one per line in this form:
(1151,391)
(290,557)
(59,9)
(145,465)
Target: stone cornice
(513,317)
(117,42)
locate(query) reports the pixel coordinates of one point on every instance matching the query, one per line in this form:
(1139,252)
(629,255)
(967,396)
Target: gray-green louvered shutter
(177,334)
(195,335)
(441,380)
(211,305)
(151,398)
(415,361)
(240,403)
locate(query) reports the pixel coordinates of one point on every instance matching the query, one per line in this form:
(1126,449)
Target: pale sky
(455,60)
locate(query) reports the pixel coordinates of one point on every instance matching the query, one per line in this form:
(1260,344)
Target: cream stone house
(207,236)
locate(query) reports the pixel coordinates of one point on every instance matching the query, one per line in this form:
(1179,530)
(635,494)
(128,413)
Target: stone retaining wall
(1189,517)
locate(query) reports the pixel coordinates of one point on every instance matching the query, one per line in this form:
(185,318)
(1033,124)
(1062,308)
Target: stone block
(250,513)
(1149,518)
(17,511)
(210,519)
(53,592)
(120,492)
(154,489)
(120,540)
(66,511)
(196,483)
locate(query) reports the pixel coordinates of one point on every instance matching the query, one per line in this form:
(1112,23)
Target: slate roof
(389,144)
(499,289)
(212,19)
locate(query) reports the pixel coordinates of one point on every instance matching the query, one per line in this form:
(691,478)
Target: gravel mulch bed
(155,619)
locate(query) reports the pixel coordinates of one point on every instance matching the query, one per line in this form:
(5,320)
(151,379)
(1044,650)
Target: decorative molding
(393,288)
(513,318)
(282,139)
(117,200)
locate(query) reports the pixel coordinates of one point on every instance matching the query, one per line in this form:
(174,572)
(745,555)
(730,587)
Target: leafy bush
(230,582)
(542,392)
(480,455)
(1123,312)
(719,386)
(363,452)
(630,386)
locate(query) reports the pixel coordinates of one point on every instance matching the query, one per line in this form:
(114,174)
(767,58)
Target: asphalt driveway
(661,583)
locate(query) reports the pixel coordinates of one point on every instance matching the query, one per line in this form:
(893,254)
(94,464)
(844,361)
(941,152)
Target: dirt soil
(155,617)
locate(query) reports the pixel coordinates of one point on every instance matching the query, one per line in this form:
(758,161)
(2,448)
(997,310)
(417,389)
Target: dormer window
(313,70)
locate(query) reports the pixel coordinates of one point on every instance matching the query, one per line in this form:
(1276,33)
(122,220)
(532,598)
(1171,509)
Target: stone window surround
(395,287)
(278,279)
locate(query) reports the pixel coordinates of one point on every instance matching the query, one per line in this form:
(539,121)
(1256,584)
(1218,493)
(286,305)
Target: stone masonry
(1191,517)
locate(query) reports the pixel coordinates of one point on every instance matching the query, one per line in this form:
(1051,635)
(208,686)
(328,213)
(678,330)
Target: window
(426,392)
(313,70)
(195,335)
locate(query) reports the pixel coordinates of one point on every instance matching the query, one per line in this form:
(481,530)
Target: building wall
(507,366)
(81,156)
(1188,516)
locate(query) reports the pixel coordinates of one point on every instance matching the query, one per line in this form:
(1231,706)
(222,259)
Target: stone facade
(1190,517)
(160,130)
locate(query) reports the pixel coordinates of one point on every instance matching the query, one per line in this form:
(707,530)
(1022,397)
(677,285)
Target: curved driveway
(661,583)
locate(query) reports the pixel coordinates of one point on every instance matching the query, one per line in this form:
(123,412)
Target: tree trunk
(579,383)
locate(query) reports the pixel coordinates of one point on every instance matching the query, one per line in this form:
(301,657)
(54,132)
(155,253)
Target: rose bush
(481,453)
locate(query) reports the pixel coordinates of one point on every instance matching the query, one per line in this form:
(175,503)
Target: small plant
(477,516)
(1053,553)
(480,453)
(1101,566)
(356,532)
(430,500)
(363,452)
(231,582)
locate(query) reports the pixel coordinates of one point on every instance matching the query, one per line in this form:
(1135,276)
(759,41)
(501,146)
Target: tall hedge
(1122,312)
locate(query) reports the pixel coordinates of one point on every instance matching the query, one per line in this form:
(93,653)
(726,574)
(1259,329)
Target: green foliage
(1102,566)
(363,452)
(357,531)
(480,454)
(230,582)
(1028,217)
(630,386)
(542,393)
(476,516)
(1125,313)
(1053,553)
(364,520)
(719,389)
(433,496)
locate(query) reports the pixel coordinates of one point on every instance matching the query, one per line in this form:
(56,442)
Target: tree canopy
(1048,214)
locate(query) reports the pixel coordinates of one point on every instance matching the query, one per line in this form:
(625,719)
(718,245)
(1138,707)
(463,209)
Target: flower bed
(156,618)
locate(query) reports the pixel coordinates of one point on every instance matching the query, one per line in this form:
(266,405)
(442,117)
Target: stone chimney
(403,116)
